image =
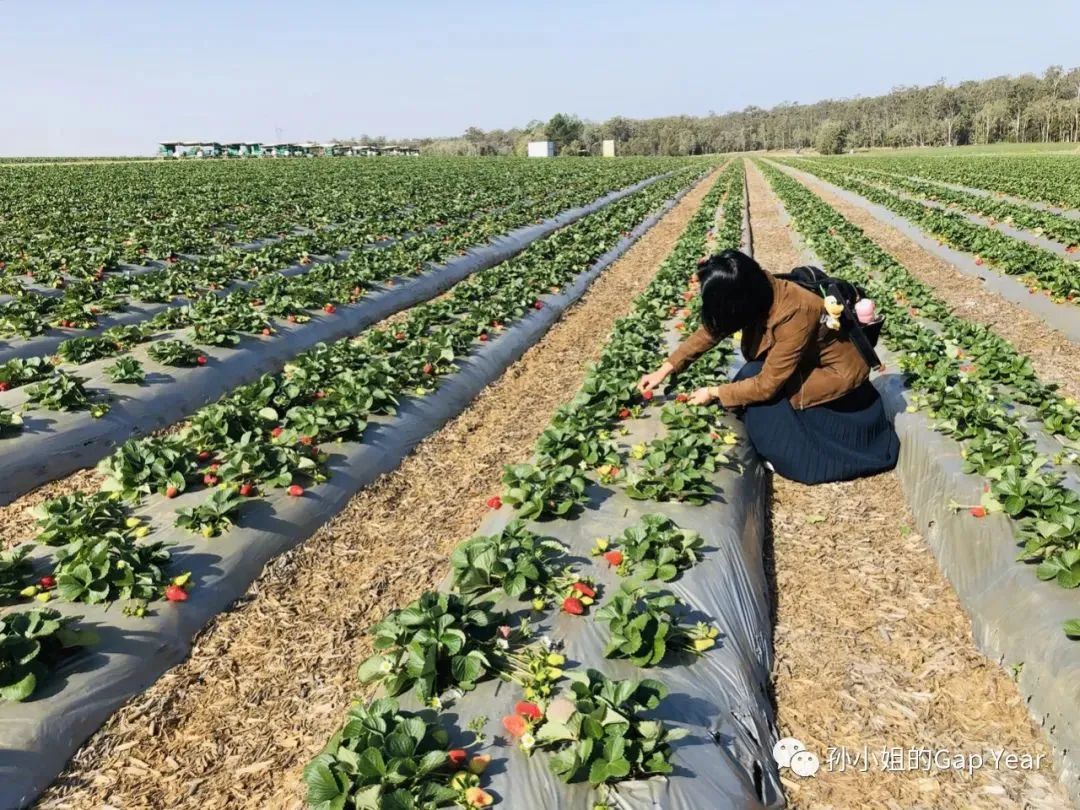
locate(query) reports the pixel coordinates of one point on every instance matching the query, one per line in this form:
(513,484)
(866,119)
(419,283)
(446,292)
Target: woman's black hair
(735,292)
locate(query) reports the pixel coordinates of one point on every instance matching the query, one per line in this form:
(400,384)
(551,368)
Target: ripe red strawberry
(573,606)
(305,440)
(277,431)
(530,711)
(319,394)
(614,557)
(538,305)
(266,332)
(329,309)
(210,480)
(201,359)
(171,491)
(682,397)
(174,593)
(624,413)
(428,368)
(483,337)
(246,489)
(458,756)
(47,582)
(295,490)
(515,725)
(647,395)
(978,511)
(978,260)
(584,589)
(4,386)
(494,502)
(202,455)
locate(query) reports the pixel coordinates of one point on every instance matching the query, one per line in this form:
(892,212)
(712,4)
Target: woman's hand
(704,396)
(650,381)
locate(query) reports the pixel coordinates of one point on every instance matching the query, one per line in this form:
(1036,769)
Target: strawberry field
(206,367)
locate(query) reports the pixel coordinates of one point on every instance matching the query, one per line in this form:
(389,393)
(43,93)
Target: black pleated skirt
(847,438)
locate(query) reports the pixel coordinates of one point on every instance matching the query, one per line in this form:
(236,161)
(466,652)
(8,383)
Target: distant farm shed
(540,149)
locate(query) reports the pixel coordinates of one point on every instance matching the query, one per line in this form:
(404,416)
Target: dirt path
(872,646)
(773,248)
(268,683)
(1054,356)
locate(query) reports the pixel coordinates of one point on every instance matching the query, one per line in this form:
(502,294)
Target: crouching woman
(809,408)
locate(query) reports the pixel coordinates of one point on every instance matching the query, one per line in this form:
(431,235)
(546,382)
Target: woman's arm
(687,352)
(792,337)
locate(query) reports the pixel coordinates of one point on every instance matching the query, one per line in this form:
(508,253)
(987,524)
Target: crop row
(223,321)
(442,230)
(596,731)
(1057,227)
(1053,179)
(966,377)
(1038,267)
(79,219)
(267,435)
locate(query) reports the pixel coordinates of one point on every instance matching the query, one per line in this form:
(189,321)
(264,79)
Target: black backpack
(863,335)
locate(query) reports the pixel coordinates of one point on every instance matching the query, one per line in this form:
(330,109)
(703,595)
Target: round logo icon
(785,749)
(804,763)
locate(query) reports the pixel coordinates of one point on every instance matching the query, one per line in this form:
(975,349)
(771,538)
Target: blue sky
(116,76)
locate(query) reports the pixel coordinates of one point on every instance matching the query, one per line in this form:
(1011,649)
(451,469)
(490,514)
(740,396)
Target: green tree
(564,128)
(831,138)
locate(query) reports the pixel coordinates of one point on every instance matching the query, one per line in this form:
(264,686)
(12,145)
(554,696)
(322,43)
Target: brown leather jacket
(803,358)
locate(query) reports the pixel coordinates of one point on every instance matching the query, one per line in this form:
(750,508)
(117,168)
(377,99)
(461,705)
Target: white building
(541,149)
(609,148)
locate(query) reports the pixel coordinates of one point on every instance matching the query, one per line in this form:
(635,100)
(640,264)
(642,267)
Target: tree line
(1026,108)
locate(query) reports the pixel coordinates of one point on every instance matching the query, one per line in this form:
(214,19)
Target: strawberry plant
(32,644)
(109,567)
(174,353)
(538,492)
(126,370)
(77,516)
(153,464)
(515,561)
(437,642)
(14,572)
(1064,568)
(86,349)
(387,758)
(20,371)
(655,548)
(598,731)
(645,626)
(60,392)
(212,517)
(10,422)
(276,465)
